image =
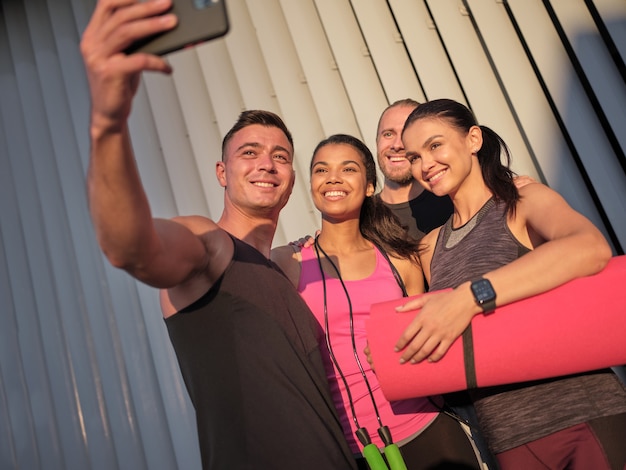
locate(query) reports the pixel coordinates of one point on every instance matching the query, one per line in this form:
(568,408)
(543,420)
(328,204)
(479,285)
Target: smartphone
(198,21)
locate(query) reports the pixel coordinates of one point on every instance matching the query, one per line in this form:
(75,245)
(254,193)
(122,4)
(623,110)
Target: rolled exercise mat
(577,327)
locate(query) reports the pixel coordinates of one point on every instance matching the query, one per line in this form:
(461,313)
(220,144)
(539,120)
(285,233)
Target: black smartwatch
(484,294)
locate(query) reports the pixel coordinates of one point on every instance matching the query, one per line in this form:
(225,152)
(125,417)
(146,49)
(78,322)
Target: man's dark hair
(255,116)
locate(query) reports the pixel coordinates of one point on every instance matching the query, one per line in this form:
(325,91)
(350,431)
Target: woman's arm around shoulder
(288,258)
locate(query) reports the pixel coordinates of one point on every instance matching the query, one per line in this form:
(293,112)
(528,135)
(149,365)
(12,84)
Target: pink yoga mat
(577,327)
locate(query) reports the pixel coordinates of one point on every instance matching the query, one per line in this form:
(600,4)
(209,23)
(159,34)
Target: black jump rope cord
(371,452)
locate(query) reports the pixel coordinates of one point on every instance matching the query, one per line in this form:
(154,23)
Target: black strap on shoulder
(395,272)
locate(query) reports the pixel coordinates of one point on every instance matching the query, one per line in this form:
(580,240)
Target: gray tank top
(516,414)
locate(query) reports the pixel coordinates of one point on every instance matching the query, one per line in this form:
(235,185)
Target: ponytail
(498,176)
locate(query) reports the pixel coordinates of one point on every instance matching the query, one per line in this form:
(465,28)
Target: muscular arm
(158,252)
(161,253)
(566,246)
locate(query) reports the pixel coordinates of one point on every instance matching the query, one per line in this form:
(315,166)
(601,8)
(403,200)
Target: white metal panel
(435,72)
(12,410)
(295,102)
(613,13)
(177,407)
(127,357)
(174,139)
(530,105)
(320,70)
(575,109)
(123,304)
(63,18)
(355,65)
(221,83)
(226,102)
(48,261)
(519,84)
(387,50)
(544,43)
(73,257)
(599,68)
(149,156)
(251,75)
(20,312)
(324,77)
(200,124)
(479,82)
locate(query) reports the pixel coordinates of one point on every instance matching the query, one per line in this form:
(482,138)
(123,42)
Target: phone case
(198,21)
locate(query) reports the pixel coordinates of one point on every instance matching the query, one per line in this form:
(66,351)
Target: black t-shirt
(422,214)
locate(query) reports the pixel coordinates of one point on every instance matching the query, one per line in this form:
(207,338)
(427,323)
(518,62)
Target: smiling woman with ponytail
(514,244)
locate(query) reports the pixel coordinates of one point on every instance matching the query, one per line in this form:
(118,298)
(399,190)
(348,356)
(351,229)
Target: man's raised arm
(159,252)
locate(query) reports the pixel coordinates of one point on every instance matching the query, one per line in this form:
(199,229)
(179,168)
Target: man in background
(418,210)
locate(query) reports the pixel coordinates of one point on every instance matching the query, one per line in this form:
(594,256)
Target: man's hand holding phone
(113,75)
(198,21)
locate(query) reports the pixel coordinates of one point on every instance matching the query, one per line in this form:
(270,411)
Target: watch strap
(488,306)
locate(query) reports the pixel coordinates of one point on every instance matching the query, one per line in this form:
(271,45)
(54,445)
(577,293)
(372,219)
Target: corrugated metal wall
(87,375)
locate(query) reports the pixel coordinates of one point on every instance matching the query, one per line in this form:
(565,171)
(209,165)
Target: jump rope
(371,452)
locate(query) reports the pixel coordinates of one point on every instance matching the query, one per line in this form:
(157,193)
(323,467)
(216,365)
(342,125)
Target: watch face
(483,292)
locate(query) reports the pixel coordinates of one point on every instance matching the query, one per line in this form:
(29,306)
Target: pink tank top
(404,418)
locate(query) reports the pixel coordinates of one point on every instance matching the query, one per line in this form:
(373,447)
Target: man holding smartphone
(246,343)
